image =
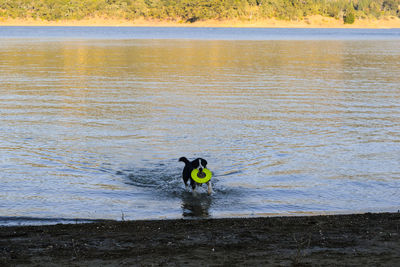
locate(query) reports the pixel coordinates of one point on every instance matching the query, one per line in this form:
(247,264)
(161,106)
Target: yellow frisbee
(204,178)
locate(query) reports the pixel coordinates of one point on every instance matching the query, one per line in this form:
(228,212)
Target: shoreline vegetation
(203,13)
(309,22)
(371,239)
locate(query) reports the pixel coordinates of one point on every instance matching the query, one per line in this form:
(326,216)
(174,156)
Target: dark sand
(351,240)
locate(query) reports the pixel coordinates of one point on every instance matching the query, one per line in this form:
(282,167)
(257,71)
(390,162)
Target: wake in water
(160,179)
(164,182)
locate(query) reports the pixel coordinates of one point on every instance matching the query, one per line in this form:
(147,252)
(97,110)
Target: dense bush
(193,10)
(349,18)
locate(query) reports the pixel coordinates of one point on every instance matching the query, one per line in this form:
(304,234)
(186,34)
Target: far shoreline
(308,22)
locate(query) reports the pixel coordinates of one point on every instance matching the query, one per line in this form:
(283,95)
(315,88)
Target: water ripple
(94,128)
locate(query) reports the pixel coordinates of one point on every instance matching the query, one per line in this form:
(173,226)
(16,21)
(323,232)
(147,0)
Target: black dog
(199,164)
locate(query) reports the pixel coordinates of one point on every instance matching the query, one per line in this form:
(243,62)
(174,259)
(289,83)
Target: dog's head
(199,164)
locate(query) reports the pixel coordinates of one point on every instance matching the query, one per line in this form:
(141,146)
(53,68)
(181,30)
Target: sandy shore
(309,22)
(350,240)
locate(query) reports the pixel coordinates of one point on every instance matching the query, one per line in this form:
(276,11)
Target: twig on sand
(301,244)
(74,249)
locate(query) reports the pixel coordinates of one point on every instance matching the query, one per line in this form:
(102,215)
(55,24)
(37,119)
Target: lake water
(292,121)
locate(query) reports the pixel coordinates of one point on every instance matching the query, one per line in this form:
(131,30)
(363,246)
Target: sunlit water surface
(94,120)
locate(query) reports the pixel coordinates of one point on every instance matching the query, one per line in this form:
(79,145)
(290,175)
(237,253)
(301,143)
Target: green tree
(349,18)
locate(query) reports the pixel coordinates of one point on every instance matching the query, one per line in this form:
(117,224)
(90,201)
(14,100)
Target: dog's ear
(203,162)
